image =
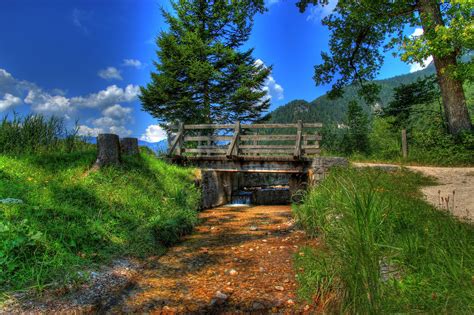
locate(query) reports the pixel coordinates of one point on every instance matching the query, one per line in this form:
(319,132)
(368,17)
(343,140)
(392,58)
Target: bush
(385,249)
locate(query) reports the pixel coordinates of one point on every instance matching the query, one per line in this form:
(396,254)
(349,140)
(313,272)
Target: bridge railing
(241,140)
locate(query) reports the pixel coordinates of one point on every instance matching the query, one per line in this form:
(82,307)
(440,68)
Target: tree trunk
(452,93)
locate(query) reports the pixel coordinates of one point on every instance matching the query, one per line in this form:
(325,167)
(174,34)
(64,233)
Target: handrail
(240,140)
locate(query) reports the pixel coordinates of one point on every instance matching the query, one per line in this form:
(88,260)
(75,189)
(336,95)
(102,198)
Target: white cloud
(78,19)
(110,73)
(274,90)
(426,62)
(132,63)
(319,12)
(153,133)
(115,117)
(9,101)
(270,2)
(88,131)
(43,102)
(111,95)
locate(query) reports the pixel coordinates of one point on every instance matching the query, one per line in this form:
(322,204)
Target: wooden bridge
(247,147)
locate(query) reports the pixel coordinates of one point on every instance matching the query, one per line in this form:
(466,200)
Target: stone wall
(216,188)
(322,165)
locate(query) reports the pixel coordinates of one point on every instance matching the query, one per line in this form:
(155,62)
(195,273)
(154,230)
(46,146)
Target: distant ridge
(324,110)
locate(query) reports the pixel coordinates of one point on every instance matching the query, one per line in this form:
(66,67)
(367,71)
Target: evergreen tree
(202,75)
(407,100)
(357,137)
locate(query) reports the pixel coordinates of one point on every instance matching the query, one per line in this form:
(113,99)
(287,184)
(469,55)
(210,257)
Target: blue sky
(85,59)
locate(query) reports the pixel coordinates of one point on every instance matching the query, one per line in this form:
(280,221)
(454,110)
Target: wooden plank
(209,126)
(177,140)
(310,146)
(312,125)
(207,138)
(312,151)
(234,146)
(269,151)
(206,151)
(312,137)
(297,152)
(265,126)
(262,146)
(267,137)
(404,144)
(224,147)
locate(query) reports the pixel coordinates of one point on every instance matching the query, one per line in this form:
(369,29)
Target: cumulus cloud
(111,95)
(132,63)
(9,101)
(426,62)
(273,89)
(317,13)
(110,73)
(113,117)
(153,133)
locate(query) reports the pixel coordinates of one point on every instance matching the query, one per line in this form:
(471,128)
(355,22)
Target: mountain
(157,147)
(326,110)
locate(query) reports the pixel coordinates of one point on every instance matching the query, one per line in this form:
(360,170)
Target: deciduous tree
(361,30)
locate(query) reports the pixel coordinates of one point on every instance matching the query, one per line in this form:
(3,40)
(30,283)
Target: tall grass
(37,133)
(71,219)
(385,249)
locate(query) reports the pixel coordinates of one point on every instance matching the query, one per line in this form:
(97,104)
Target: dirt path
(238,260)
(455,191)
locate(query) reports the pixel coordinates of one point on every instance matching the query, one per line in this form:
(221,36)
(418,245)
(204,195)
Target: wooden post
(178,141)
(129,146)
(299,135)
(404,144)
(233,148)
(108,149)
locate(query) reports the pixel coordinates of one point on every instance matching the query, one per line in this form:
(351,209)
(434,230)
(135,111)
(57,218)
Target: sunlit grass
(72,218)
(385,250)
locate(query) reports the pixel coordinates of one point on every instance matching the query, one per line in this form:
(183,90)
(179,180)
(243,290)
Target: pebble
(253,228)
(290,302)
(279,288)
(233,272)
(221,296)
(262,269)
(256,306)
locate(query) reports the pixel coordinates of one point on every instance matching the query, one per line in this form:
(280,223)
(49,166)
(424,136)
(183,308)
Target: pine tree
(202,75)
(357,138)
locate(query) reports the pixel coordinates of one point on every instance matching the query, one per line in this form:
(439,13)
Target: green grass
(385,250)
(73,218)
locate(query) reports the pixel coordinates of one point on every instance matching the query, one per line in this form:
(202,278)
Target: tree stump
(129,146)
(108,149)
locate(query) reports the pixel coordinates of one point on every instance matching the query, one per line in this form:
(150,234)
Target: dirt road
(455,189)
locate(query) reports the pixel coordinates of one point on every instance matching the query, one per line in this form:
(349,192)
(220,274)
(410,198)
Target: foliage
(362,31)
(36,133)
(72,218)
(202,75)
(356,138)
(385,249)
(407,96)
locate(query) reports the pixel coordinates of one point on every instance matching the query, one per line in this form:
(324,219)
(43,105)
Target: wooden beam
(297,152)
(201,151)
(234,146)
(177,140)
(267,137)
(268,126)
(208,126)
(313,125)
(312,137)
(262,146)
(207,138)
(268,151)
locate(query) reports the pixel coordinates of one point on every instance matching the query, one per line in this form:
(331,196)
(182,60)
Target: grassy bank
(384,249)
(71,219)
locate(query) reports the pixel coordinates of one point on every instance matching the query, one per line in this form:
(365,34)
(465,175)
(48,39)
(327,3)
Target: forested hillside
(326,110)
